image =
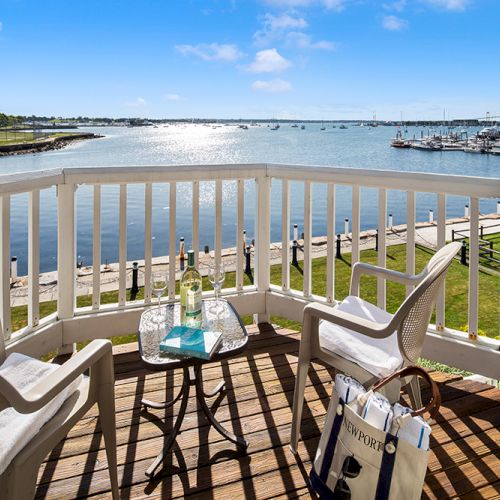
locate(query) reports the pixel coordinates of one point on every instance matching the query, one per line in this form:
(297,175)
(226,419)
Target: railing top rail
(480,187)
(461,185)
(163,173)
(27,181)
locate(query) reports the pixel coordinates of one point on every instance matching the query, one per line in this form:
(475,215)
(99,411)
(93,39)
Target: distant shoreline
(50,144)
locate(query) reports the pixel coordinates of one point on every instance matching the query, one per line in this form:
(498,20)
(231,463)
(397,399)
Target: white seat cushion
(17,429)
(381,357)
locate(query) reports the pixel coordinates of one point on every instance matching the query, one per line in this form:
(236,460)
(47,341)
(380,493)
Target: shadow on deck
(257,404)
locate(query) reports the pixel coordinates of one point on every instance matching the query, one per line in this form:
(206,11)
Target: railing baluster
(410,236)
(285,235)
(96,249)
(196,221)
(66,258)
(34,258)
(122,274)
(5,315)
(382,249)
(355,224)
(330,244)
(148,239)
(66,252)
(441,241)
(262,239)
(172,253)
(307,239)
(474,269)
(218,224)
(240,208)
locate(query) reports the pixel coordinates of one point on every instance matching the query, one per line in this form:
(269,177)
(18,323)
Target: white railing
(71,324)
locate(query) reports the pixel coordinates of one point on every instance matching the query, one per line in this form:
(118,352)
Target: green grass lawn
(456,287)
(7,138)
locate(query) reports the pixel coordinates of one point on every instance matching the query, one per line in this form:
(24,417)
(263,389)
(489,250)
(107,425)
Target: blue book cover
(191,342)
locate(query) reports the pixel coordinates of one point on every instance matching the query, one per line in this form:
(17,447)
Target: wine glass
(216,276)
(159,283)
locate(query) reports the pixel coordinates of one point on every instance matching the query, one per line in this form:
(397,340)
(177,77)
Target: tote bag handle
(433,405)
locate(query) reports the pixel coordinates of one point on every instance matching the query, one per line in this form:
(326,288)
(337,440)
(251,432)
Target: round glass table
(155,323)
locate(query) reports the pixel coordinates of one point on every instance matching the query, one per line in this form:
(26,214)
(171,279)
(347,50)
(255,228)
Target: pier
(425,235)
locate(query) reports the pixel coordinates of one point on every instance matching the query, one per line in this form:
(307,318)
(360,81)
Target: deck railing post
(5,317)
(66,257)
(262,240)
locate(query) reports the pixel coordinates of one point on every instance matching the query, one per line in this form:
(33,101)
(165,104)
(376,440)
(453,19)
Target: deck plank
(463,460)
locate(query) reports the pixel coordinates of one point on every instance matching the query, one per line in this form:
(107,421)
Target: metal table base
(192,376)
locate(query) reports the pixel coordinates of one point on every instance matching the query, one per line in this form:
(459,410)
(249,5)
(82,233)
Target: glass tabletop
(156,321)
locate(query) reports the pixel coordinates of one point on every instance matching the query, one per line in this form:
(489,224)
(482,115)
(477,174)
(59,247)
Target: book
(191,342)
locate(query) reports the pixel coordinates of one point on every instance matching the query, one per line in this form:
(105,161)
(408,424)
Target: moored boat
(399,141)
(427,145)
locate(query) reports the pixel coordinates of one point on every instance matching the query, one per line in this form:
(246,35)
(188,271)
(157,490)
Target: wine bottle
(191,293)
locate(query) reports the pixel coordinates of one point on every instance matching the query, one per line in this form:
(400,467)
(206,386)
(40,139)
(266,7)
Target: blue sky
(316,59)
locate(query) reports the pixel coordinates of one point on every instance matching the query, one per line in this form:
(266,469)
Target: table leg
(200,395)
(159,406)
(221,386)
(186,385)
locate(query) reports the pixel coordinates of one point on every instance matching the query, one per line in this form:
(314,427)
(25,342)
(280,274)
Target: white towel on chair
(379,356)
(17,429)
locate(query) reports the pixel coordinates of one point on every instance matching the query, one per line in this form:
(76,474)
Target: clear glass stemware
(159,283)
(216,276)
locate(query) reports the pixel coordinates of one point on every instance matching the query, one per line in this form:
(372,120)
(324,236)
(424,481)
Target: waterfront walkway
(426,235)
(463,462)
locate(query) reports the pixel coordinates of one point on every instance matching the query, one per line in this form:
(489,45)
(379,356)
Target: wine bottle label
(193,301)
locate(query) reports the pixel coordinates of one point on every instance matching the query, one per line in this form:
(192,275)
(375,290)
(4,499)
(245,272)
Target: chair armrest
(363,268)
(49,386)
(342,318)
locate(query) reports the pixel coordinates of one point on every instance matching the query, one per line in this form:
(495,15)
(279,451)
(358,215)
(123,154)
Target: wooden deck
(465,442)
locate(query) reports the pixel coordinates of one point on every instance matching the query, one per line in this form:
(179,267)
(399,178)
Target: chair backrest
(412,318)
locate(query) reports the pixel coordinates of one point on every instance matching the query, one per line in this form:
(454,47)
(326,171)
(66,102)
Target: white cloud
(268,61)
(456,5)
(337,5)
(275,86)
(1,26)
(211,51)
(304,41)
(394,23)
(274,27)
(284,21)
(172,97)
(140,102)
(398,6)
(289,3)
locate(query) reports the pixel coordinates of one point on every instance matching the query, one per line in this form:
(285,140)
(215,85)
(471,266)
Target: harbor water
(357,147)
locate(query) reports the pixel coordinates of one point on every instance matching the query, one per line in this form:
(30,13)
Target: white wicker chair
(18,480)
(356,323)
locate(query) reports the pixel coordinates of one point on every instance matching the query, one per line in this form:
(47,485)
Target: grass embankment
(456,291)
(11,138)
(8,138)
